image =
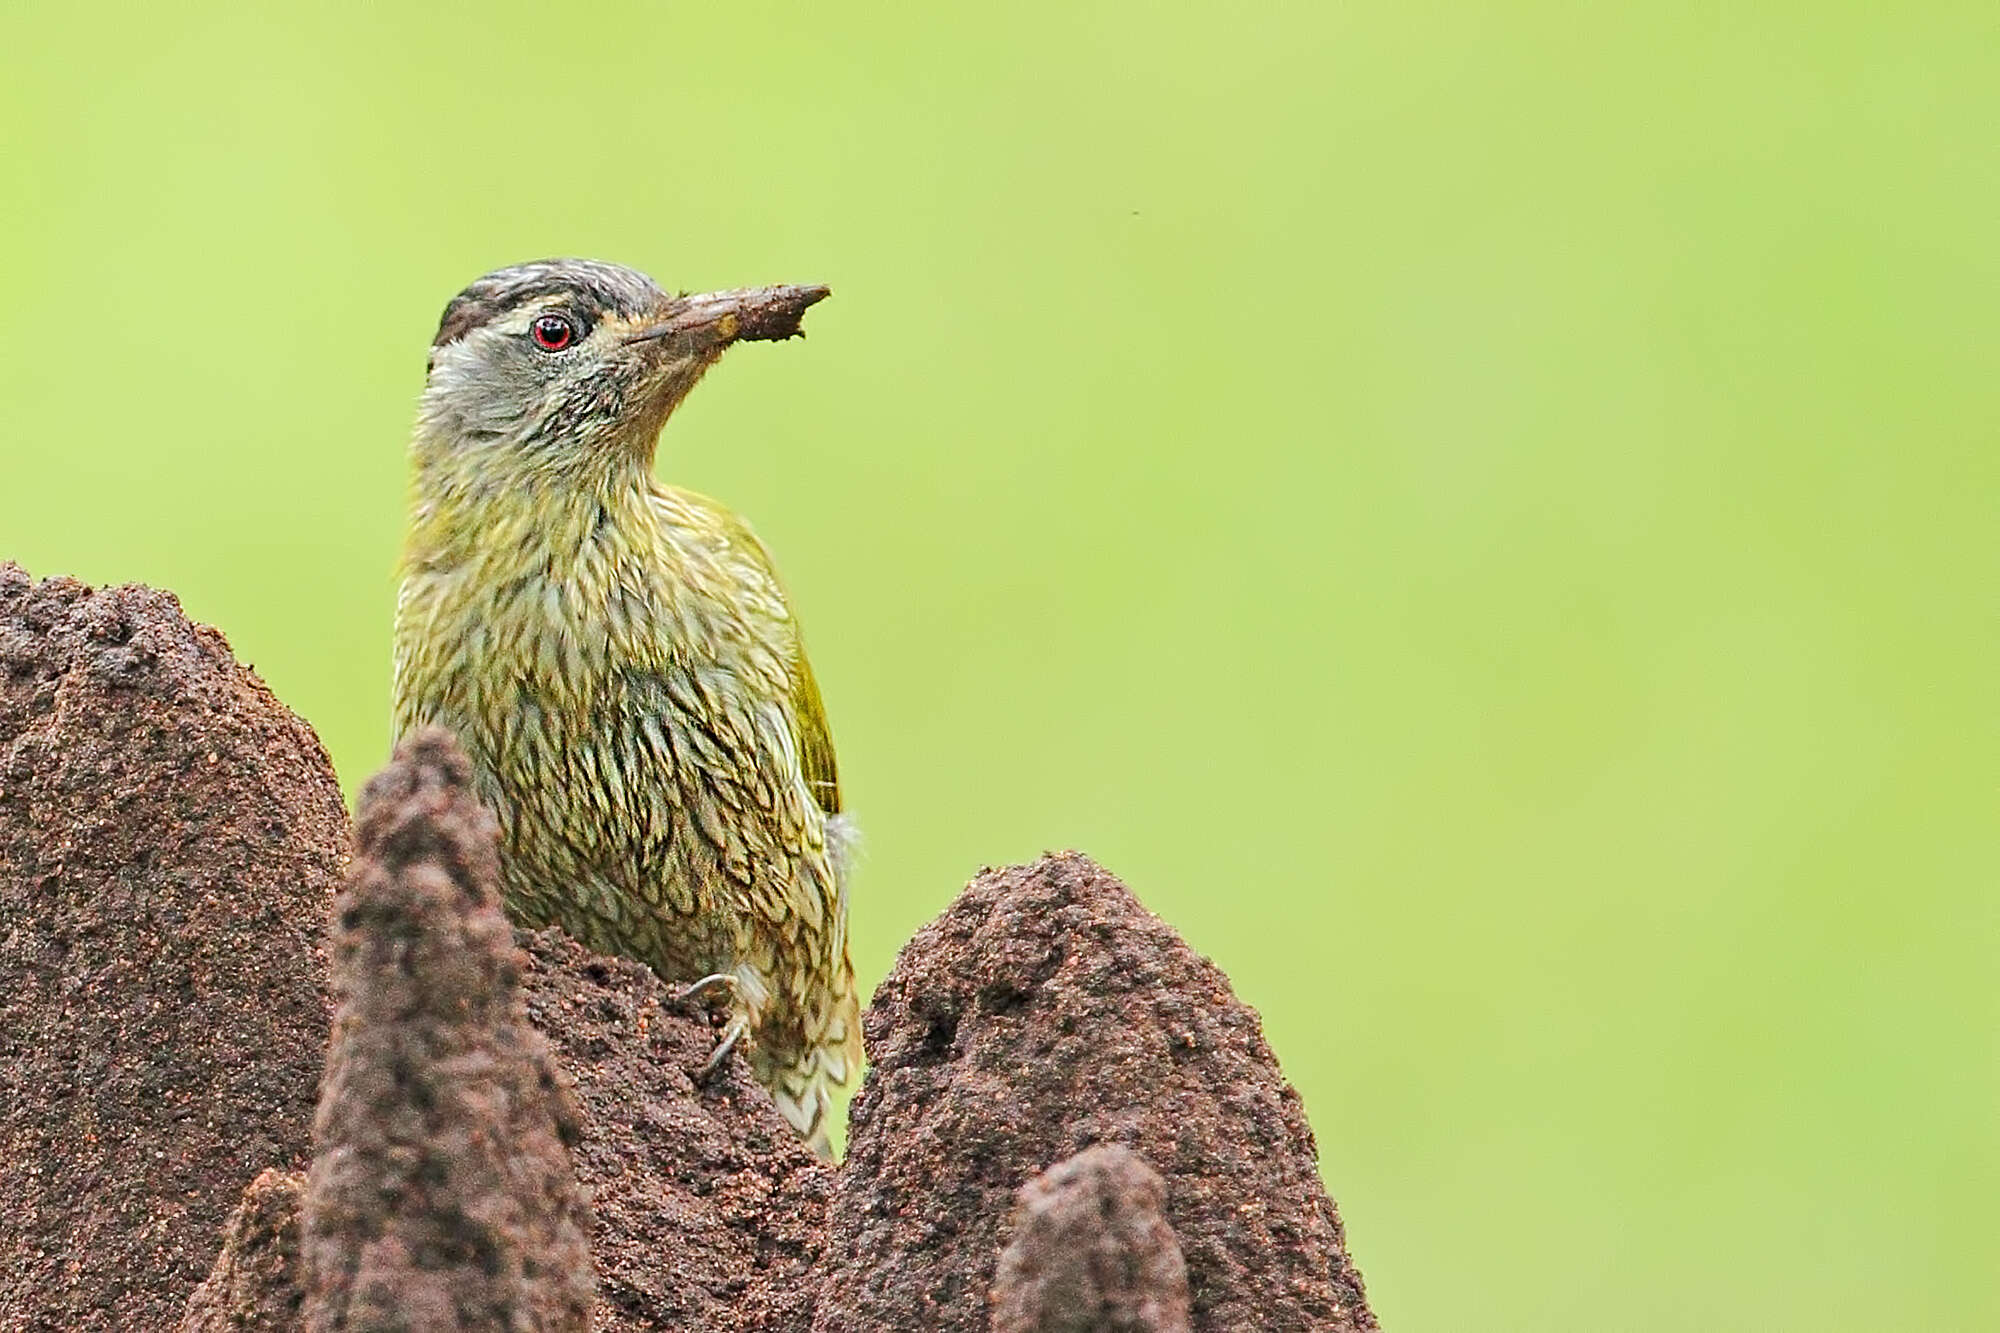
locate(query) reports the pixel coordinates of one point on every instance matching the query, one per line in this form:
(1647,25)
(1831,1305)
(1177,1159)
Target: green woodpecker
(621,664)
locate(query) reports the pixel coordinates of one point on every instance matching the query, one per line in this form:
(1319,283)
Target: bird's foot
(710,992)
(731,1037)
(716,993)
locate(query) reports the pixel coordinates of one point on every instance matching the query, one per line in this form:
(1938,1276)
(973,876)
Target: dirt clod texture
(256,1284)
(1044,1012)
(1092,1252)
(709,1209)
(170,837)
(1061,1091)
(441,1195)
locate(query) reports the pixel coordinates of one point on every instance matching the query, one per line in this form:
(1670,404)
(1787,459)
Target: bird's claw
(732,1035)
(715,992)
(708,992)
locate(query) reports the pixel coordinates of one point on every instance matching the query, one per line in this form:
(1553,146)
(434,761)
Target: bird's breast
(607,705)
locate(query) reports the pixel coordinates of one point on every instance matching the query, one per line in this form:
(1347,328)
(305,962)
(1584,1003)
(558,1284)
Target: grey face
(536,357)
(574,360)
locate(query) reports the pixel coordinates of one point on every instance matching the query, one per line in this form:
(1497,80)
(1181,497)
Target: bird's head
(572,364)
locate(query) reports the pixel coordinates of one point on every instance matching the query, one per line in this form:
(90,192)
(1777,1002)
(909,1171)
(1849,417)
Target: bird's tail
(803,1074)
(803,1078)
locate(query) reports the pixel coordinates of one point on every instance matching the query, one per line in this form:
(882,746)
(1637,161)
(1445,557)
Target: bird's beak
(713,320)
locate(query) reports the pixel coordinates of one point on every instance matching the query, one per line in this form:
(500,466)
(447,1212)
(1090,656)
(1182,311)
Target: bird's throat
(527,522)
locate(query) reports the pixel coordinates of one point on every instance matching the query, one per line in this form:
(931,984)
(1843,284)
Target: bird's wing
(810,732)
(814,737)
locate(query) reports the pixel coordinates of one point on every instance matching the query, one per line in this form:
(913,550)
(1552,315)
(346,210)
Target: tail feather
(803,1088)
(823,1052)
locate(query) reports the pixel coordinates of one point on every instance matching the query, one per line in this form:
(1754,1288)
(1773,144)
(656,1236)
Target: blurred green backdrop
(1478,511)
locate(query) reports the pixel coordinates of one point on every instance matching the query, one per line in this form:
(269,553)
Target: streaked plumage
(620,660)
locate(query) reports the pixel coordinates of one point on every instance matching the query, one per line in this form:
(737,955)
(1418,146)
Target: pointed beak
(713,320)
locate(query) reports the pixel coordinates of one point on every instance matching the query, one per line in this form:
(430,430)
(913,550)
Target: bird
(621,664)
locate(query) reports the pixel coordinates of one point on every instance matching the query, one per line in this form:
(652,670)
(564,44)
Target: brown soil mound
(170,836)
(170,839)
(709,1209)
(1092,1252)
(256,1285)
(1044,1012)
(440,1195)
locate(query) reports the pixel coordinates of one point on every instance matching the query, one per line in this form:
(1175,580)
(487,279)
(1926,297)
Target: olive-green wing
(814,738)
(810,732)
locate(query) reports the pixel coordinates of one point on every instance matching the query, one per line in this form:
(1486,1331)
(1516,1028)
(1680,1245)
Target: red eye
(553,333)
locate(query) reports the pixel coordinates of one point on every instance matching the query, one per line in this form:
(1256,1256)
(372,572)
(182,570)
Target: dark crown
(598,289)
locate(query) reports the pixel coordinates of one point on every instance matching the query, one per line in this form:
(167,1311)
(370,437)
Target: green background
(1481,513)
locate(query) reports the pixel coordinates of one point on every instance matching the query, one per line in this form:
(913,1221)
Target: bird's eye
(552,333)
